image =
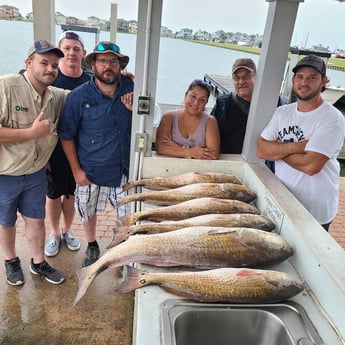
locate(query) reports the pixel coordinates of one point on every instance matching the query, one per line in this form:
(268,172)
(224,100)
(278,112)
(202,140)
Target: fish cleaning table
(318,260)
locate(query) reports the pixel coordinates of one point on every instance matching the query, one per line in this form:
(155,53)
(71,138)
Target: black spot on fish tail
(119,235)
(134,279)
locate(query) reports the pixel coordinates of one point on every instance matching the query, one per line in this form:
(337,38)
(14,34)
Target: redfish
(190,208)
(205,247)
(225,220)
(196,190)
(182,180)
(232,285)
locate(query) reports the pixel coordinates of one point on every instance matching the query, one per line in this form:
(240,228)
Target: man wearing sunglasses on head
(95,133)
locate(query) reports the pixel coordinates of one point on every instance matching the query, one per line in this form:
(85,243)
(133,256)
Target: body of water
(179,61)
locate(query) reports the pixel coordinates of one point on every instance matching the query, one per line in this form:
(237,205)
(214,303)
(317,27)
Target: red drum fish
(196,190)
(205,247)
(226,220)
(190,208)
(232,285)
(182,180)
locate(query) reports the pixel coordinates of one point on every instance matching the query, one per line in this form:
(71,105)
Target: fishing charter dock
(220,83)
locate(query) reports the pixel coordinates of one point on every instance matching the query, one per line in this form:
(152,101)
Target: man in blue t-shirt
(95,133)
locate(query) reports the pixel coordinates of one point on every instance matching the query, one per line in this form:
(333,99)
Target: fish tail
(119,235)
(128,220)
(134,279)
(121,202)
(86,276)
(128,198)
(128,185)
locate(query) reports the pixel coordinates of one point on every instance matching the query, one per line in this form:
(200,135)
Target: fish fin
(221,231)
(85,279)
(134,279)
(187,294)
(245,272)
(119,235)
(160,202)
(128,185)
(122,201)
(128,220)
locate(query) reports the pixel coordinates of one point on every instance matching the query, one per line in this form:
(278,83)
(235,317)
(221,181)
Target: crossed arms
(292,153)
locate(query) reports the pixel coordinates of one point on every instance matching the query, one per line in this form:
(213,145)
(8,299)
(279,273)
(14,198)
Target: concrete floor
(40,313)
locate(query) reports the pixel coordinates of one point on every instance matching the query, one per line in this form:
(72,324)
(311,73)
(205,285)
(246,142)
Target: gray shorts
(93,198)
(25,194)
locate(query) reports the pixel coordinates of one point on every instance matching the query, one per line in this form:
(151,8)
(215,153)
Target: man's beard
(109,80)
(307,97)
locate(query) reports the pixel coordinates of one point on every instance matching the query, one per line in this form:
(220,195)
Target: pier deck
(220,83)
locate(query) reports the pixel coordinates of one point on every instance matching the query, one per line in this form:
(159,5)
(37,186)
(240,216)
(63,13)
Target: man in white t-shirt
(304,138)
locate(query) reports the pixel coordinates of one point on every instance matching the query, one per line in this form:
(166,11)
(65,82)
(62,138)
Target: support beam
(43,12)
(270,72)
(146,67)
(113,22)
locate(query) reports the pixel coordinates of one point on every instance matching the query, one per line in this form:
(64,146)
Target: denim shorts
(25,194)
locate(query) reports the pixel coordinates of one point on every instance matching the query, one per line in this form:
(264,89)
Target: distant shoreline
(335,63)
(338,63)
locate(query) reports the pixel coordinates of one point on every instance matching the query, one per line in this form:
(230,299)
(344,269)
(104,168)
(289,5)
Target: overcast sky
(318,21)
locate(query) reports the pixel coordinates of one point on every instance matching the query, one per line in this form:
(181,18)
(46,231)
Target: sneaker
(50,274)
(52,246)
(72,242)
(91,256)
(14,273)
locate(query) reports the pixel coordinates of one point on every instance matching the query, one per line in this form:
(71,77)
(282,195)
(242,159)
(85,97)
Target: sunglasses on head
(101,47)
(202,83)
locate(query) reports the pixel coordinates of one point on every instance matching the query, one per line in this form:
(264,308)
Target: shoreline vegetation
(255,50)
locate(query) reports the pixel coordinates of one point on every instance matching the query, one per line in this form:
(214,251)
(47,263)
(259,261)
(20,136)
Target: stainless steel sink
(189,323)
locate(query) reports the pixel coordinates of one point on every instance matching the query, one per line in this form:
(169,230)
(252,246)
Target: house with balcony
(10,13)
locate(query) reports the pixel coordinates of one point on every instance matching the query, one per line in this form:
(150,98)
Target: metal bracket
(144,105)
(141,142)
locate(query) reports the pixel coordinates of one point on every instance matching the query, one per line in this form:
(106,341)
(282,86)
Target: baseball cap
(311,61)
(42,47)
(248,64)
(71,35)
(107,47)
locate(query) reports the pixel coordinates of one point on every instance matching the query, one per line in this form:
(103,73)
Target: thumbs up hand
(41,127)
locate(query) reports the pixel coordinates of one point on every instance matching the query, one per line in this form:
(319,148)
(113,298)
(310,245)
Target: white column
(44,19)
(274,53)
(113,22)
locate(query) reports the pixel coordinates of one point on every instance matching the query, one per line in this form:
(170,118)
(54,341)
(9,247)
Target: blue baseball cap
(43,46)
(72,36)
